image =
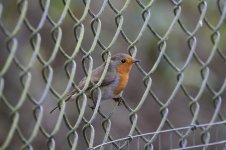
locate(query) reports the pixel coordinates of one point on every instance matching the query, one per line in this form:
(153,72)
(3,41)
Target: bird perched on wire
(114,81)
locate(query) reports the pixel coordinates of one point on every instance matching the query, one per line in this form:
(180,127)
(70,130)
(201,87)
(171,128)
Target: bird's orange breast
(123,72)
(123,80)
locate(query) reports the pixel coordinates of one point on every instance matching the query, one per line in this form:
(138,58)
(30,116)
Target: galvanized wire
(83,129)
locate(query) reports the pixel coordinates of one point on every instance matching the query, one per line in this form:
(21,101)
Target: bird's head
(123,62)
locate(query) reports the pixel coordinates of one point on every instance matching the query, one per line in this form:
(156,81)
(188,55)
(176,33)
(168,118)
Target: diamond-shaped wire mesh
(175,98)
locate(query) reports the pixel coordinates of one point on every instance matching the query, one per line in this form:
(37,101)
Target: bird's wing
(110,77)
(96,74)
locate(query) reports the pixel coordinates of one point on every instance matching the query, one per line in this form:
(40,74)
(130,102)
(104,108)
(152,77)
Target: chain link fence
(175,98)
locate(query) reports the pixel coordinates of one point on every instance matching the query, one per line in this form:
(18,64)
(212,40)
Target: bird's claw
(92,107)
(119,100)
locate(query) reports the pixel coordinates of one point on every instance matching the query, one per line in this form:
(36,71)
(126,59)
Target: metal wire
(193,128)
(28,62)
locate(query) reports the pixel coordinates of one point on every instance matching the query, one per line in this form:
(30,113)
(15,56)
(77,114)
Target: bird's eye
(123,60)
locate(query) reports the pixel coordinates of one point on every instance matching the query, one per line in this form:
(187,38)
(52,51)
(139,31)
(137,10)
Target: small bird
(114,82)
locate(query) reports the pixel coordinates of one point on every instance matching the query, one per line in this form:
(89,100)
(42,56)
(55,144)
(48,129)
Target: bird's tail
(67,98)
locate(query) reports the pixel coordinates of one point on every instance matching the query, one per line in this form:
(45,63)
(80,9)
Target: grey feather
(96,74)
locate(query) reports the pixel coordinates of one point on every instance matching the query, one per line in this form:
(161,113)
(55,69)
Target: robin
(115,79)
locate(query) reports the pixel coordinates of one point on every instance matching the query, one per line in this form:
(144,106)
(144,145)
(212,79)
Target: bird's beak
(136,61)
